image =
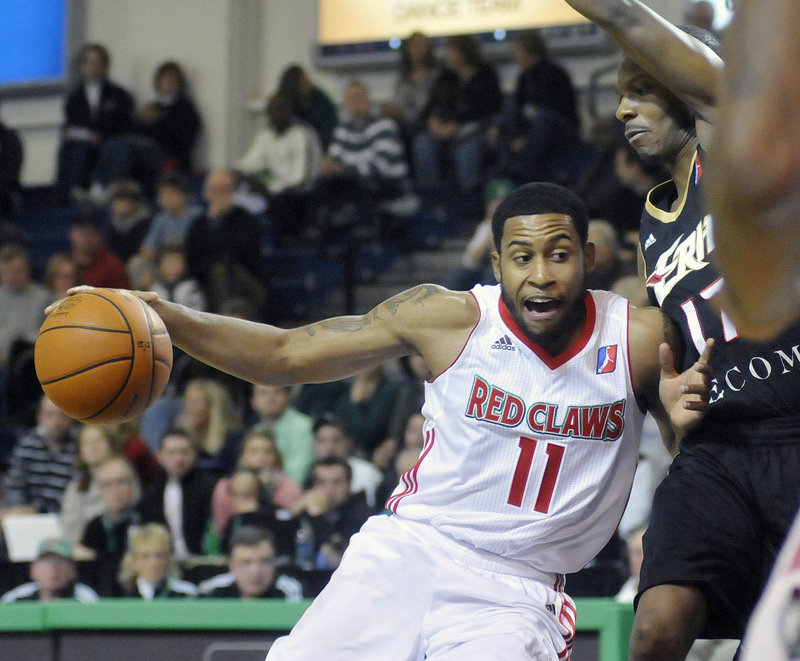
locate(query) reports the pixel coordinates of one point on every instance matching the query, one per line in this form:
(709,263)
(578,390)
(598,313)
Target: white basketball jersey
(529,456)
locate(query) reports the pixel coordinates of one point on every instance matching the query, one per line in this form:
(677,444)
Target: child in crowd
(172,281)
(175,216)
(148,569)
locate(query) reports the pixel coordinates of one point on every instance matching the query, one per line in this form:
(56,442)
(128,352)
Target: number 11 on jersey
(519,483)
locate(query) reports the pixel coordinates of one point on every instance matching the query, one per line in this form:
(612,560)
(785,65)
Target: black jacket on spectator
(197,488)
(109,540)
(114,116)
(235,237)
(477,99)
(175,130)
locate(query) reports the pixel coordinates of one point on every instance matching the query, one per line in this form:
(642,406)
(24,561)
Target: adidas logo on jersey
(504,344)
(650,241)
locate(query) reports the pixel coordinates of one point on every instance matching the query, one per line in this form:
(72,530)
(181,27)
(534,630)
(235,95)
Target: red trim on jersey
(571,351)
(409,478)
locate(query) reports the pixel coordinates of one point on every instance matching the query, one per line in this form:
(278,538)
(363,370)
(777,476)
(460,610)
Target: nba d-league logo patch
(607,359)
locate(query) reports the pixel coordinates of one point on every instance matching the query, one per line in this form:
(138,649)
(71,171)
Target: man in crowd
(53,576)
(252,570)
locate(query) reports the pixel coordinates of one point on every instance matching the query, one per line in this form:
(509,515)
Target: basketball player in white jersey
(533,408)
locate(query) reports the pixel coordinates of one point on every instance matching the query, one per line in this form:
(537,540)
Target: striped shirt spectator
(42,462)
(367,146)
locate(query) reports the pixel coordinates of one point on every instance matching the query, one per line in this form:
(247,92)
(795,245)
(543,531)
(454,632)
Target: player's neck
(681,168)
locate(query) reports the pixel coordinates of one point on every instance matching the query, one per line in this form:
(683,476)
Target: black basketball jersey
(752,381)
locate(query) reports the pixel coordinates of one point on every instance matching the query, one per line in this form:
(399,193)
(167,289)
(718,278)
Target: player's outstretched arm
(755,168)
(688,68)
(427,319)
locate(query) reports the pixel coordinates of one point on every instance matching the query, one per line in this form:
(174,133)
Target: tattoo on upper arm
(417,296)
(345,324)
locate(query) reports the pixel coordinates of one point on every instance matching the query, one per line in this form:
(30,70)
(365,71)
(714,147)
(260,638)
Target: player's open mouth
(540,306)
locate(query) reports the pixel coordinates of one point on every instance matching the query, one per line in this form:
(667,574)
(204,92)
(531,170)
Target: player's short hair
(704,36)
(540,198)
(251,536)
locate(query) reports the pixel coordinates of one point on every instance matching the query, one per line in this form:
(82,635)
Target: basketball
(103,355)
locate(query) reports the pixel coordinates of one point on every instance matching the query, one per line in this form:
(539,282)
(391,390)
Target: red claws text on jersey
(602,422)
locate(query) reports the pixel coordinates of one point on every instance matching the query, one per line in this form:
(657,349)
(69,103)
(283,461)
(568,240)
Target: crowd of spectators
(273,479)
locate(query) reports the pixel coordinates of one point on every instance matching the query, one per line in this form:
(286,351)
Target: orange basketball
(103,355)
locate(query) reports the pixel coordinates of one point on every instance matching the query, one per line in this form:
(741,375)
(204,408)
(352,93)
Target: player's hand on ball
(148,297)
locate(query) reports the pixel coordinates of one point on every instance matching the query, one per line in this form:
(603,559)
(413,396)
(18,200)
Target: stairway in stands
(429,265)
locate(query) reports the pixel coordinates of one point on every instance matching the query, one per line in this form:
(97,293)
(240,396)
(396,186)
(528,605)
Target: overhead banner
(359,21)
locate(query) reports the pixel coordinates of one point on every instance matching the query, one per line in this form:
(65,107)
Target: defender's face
(541,267)
(657,124)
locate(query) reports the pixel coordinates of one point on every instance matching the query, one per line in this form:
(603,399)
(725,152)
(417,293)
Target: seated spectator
(476,263)
(181,500)
(105,538)
(126,437)
(11,157)
(610,263)
(259,455)
(172,280)
(331,511)
(95,111)
(283,160)
(53,576)
(148,570)
(173,219)
(252,571)
(464,99)
(82,501)
(413,85)
(60,275)
(538,136)
(163,136)
(22,301)
(331,439)
(316,399)
(615,184)
(21,315)
(223,246)
(129,219)
(628,591)
(364,408)
(252,507)
(292,430)
(97,266)
(309,103)
(212,423)
(365,164)
(42,463)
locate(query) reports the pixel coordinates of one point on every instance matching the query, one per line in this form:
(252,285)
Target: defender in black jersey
(722,513)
